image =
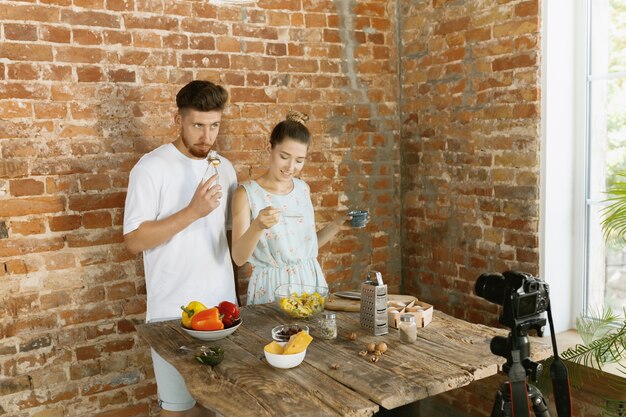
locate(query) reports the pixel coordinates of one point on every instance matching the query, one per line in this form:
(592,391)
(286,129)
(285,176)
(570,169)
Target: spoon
(213,161)
(290,214)
(196,350)
(188,349)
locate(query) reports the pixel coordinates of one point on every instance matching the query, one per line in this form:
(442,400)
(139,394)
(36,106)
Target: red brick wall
(88,86)
(470,115)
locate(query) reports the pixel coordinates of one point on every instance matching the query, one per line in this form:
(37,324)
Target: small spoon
(198,349)
(213,161)
(188,349)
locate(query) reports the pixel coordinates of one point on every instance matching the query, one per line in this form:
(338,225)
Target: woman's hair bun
(296,116)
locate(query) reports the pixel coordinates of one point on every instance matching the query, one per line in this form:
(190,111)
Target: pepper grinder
(373,313)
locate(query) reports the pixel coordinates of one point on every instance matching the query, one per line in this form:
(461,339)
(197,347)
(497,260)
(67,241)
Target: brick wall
(470,129)
(88,86)
(470,115)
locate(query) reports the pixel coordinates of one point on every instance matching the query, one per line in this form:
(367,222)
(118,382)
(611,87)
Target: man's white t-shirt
(195,264)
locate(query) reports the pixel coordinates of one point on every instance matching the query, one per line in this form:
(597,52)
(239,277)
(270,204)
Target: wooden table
(448,354)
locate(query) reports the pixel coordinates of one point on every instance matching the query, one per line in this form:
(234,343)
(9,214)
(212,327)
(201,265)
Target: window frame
(563,127)
(566,200)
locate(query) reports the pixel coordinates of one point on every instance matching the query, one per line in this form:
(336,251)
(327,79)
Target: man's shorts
(171,389)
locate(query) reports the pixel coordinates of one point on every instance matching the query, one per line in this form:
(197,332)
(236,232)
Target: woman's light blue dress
(286,252)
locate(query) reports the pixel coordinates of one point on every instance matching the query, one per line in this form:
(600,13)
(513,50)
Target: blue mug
(359,218)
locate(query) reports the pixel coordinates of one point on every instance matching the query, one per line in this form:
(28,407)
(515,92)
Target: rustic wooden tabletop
(333,380)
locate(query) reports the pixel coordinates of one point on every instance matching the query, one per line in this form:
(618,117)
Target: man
(179,222)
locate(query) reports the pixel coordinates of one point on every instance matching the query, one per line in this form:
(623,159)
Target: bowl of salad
(301,301)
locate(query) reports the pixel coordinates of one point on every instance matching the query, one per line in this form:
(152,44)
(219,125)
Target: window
(583,145)
(562,178)
(605,140)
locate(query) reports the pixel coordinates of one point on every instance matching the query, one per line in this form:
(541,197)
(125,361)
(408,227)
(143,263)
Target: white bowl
(284,361)
(211,334)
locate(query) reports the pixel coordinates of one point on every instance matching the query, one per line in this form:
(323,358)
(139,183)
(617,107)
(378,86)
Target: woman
(273,219)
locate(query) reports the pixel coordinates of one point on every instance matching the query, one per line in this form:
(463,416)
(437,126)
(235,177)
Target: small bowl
(301,301)
(359,218)
(211,334)
(212,355)
(284,332)
(284,361)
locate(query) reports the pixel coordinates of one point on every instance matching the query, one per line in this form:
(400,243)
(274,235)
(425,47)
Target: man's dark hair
(202,96)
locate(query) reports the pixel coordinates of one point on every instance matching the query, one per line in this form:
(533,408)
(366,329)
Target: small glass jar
(407,328)
(327,326)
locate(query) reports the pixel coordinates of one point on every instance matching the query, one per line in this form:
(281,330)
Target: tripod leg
(501,408)
(540,407)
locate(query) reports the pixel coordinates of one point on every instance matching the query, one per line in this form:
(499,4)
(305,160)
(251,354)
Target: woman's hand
(341,222)
(267,217)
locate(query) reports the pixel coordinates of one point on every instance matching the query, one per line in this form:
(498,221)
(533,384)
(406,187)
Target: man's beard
(191,150)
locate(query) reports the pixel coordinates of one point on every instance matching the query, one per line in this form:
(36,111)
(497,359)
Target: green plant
(614,221)
(604,342)
(598,326)
(603,332)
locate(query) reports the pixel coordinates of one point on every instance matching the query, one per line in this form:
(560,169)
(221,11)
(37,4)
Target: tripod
(523,298)
(513,395)
(502,406)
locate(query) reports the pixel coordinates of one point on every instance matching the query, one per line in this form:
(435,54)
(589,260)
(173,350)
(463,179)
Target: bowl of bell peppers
(210,323)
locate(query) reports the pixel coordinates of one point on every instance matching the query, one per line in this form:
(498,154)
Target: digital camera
(522,296)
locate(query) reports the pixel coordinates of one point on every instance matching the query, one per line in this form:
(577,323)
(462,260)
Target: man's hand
(267,217)
(206,198)
(152,233)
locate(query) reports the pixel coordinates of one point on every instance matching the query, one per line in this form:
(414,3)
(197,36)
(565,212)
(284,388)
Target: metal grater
(374,304)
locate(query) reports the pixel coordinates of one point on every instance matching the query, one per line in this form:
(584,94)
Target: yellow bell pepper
(192,309)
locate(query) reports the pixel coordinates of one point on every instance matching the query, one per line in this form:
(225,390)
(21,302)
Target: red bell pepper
(208,319)
(229,312)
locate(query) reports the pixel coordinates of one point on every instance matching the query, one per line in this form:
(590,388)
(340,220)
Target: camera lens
(491,287)
(531,286)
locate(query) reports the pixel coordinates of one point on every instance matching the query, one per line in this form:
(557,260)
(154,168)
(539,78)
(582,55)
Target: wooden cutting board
(344,304)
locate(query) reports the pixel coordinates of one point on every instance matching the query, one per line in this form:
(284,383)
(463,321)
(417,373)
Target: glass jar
(407,328)
(327,326)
